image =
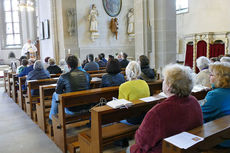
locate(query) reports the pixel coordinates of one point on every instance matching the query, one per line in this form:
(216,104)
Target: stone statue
(93,22)
(71,20)
(114,26)
(131,21)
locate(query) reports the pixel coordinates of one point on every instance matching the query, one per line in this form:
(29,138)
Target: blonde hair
(179,78)
(51,61)
(222,74)
(133,70)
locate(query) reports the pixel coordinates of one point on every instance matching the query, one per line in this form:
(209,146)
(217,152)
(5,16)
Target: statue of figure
(114,26)
(93,22)
(131,21)
(71,20)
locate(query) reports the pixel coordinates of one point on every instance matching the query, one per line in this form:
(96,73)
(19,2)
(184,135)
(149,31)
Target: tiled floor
(18,134)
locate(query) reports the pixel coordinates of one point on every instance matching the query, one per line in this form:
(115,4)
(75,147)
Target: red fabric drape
(216,50)
(201,50)
(189,56)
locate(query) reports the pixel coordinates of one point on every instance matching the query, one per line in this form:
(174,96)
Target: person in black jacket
(147,73)
(124,62)
(53,68)
(75,80)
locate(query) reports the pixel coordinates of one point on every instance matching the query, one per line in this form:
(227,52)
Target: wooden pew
(96,71)
(21,92)
(43,108)
(93,140)
(9,78)
(81,98)
(32,100)
(15,88)
(78,98)
(213,132)
(5,79)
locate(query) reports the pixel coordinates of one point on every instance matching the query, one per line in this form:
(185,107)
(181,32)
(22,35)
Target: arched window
(11,29)
(181,6)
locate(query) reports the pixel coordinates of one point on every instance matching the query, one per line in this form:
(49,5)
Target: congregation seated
(75,80)
(53,68)
(134,88)
(217,101)
(24,65)
(21,65)
(91,66)
(103,58)
(85,61)
(179,112)
(124,62)
(37,73)
(225,59)
(27,69)
(100,62)
(147,73)
(113,76)
(202,78)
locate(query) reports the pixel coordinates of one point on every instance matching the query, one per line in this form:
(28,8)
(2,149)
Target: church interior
(115,76)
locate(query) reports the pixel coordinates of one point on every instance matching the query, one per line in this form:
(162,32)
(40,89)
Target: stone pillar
(165,32)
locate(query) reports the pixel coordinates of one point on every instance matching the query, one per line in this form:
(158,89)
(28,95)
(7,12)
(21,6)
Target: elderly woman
(225,59)
(113,76)
(179,112)
(147,73)
(202,77)
(218,100)
(37,74)
(53,68)
(133,89)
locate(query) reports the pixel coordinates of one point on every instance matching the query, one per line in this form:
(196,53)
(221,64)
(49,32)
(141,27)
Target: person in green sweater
(134,89)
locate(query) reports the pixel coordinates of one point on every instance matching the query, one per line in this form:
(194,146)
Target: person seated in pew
(37,74)
(202,78)
(113,76)
(91,66)
(27,69)
(63,66)
(46,64)
(21,65)
(147,73)
(75,80)
(225,59)
(179,112)
(103,58)
(100,62)
(53,68)
(133,89)
(217,101)
(24,65)
(124,62)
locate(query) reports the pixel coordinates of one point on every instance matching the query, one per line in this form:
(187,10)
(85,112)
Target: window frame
(182,10)
(3,22)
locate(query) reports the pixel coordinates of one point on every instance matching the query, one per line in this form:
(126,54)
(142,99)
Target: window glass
(9,29)
(15,5)
(15,16)
(8,17)
(16,27)
(7,5)
(9,39)
(17,39)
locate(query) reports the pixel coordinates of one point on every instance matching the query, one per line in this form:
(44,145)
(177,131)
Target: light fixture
(28,5)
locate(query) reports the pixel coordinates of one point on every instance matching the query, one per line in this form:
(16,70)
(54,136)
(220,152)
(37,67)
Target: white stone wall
(203,16)
(106,42)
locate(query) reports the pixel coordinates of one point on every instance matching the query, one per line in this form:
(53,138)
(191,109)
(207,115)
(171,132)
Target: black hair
(72,61)
(113,66)
(91,57)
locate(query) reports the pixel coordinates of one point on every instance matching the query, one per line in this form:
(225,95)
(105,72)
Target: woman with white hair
(202,78)
(37,74)
(53,68)
(134,88)
(225,59)
(179,112)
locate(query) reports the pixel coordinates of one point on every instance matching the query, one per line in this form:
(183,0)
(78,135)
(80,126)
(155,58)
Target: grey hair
(179,78)
(51,61)
(225,59)
(38,65)
(202,62)
(133,70)
(62,62)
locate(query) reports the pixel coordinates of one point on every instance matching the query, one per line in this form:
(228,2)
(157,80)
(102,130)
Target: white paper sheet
(119,103)
(163,94)
(96,79)
(151,98)
(198,88)
(184,140)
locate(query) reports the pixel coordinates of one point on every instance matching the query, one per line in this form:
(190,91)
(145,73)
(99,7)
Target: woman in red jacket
(179,112)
